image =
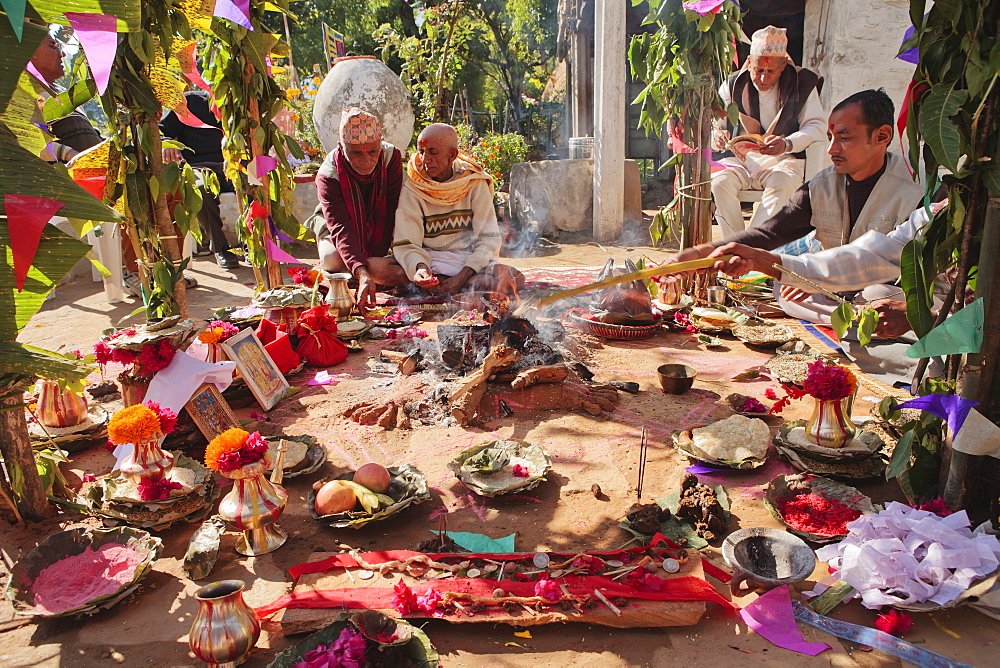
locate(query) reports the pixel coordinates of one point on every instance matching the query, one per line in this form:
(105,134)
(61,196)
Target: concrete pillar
(609,118)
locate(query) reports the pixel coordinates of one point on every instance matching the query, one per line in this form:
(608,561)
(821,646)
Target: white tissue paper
(905,555)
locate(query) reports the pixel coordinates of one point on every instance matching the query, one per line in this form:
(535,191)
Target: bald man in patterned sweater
(446,235)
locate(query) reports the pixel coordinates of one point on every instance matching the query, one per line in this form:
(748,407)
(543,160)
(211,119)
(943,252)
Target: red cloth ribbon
(686,588)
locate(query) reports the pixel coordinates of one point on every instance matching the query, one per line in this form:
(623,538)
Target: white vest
(895,196)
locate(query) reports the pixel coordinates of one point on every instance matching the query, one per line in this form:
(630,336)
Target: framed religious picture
(210,411)
(257,368)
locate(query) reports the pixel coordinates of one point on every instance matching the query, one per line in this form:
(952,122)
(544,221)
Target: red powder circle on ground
(71,582)
(812,513)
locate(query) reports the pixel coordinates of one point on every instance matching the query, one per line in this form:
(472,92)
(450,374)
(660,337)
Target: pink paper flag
(704,6)
(27,216)
(191,73)
(264,164)
(237,11)
(98,35)
(275,253)
(33,71)
(185,116)
(772,617)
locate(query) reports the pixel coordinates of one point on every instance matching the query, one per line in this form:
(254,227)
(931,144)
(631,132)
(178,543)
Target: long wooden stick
(649,272)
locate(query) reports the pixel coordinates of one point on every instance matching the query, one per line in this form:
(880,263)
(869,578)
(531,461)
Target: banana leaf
(408,486)
(66,102)
(22,115)
(20,359)
(416,651)
(69,543)
(128,12)
(57,253)
(17,54)
(21,173)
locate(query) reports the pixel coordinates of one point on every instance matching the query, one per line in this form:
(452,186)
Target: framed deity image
(210,411)
(257,368)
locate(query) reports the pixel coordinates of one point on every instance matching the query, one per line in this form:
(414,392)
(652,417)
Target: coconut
(335,497)
(374,477)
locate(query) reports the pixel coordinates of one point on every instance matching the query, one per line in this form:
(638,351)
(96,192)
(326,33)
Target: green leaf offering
(842,318)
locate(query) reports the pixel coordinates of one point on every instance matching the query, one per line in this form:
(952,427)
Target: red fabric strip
(686,588)
(347,561)
(715,571)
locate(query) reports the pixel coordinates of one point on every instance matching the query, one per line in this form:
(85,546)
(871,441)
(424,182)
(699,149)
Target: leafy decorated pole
(954,108)
(248,99)
(144,78)
(34,256)
(682,65)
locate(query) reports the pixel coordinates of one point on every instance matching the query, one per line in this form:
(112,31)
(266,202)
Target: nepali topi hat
(357,126)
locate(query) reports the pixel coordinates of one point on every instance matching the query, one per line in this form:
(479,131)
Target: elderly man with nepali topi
(780,101)
(358,187)
(867,189)
(446,225)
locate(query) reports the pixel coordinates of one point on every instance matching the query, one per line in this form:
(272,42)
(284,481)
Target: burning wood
(465,398)
(553,373)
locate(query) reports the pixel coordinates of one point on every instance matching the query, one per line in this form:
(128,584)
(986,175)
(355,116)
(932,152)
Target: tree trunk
(15,445)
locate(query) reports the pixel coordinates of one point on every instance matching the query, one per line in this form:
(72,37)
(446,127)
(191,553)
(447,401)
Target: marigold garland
(133,425)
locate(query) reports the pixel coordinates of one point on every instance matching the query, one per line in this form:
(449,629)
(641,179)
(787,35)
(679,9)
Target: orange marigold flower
(230,440)
(133,425)
(213,335)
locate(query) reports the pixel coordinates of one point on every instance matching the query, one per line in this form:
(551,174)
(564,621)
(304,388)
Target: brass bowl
(676,378)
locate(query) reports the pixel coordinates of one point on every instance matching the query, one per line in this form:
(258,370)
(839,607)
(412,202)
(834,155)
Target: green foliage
(682,64)
(497,153)
(433,59)
(954,111)
(248,99)
(916,459)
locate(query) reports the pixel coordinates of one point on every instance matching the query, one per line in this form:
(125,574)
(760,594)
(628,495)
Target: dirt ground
(561,514)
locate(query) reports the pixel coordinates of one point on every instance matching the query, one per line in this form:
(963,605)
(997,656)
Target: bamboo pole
(165,229)
(272,268)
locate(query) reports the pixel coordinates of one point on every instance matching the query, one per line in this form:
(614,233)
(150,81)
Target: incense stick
(806,281)
(643,446)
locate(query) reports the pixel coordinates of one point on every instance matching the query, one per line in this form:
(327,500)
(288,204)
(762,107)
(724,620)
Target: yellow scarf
(448,192)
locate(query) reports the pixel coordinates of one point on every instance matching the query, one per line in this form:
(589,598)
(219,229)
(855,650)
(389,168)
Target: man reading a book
(779,103)
(867,189)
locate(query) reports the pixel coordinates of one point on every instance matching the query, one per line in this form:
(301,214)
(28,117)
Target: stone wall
(853,45)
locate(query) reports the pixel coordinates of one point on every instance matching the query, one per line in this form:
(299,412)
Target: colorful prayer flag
(333,45)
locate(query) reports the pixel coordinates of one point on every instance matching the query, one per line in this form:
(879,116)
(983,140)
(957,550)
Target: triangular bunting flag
(27,216)
(960,333)
(264,164)
(275,253)
(98,35)
(15,14)
(237,11)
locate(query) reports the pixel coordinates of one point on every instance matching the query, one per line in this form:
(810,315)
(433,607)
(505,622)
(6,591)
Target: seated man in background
(204,150)
(446,224)
(780,101)
(74,132)
(866,189)
(358,187)
(867,266)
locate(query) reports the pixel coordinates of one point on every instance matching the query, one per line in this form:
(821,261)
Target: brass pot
(830,425)
(339,297)
(253,506)
(60,408)
(147,462)
(225,629)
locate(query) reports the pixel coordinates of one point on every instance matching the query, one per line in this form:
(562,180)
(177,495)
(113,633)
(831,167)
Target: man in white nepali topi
(780,101)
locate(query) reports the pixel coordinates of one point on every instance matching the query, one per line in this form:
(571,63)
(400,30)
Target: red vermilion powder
(808,511)
(73,581)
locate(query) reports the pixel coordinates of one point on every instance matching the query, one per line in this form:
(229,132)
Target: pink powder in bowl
(74,581)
